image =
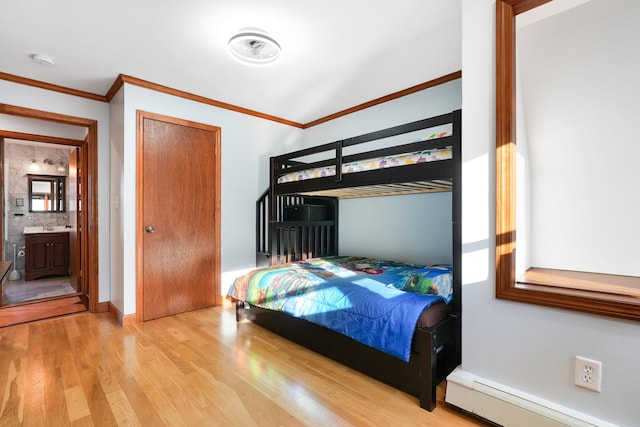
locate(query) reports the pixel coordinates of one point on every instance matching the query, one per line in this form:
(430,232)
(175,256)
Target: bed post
(271,240)
(438,348)
(457,230)
(240,315)
(428,369)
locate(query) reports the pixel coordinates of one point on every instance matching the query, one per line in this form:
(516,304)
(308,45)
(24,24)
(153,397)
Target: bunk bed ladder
(302,227)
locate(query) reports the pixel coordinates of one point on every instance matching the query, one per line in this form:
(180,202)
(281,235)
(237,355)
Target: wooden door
(178,216)
(72,210)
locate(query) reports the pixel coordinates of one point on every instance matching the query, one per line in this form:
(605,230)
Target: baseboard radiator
(508,407)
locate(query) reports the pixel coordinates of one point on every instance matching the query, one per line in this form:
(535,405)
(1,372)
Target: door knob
(149,229)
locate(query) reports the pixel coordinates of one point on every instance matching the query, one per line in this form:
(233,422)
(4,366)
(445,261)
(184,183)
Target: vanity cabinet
(46,254)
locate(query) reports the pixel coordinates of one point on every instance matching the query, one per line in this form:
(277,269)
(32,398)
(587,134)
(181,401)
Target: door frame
(89,183)
(140,117)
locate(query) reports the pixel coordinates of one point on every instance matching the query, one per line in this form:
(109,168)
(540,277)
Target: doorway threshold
(40,310)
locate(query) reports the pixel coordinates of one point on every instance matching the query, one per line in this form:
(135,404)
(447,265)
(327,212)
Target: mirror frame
(548,293)
(61,205)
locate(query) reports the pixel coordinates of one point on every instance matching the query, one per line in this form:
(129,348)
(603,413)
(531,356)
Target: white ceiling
(336,54)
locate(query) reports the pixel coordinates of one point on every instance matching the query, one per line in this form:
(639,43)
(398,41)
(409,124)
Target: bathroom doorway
(86,281)
(40,207)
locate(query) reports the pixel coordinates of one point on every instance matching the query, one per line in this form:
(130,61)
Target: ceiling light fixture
(254,46)
(45,60)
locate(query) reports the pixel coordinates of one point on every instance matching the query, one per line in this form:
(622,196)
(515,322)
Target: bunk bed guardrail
(332,156)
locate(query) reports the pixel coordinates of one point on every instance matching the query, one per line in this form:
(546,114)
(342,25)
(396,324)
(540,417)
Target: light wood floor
(195,369)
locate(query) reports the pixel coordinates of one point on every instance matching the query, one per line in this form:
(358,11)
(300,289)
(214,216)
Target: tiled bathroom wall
(17,161)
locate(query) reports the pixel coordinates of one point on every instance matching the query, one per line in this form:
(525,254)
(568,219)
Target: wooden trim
(122,79)
(51,87)
(103,307)
(90,238)
(521,6)
(197,98)
(4,268)
(550,295)
(141,115)
(40,310)
(426,85)
(89,148)
(115,87)
(505,148)
(14,110)
(612,284)
(40,138)
(122,319)
(217,225)
(566,289)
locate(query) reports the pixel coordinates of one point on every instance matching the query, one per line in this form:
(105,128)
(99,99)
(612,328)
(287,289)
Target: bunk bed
(297,223)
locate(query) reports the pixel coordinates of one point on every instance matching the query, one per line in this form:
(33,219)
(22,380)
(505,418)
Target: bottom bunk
(389,320)
(432,359)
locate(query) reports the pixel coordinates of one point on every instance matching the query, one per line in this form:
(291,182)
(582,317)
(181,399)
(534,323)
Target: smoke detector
(45,60)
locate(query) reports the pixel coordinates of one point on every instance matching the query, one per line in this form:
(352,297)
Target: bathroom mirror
(46,193)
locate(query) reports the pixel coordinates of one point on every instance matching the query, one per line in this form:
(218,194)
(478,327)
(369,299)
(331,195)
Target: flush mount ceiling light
(254,46)
(45,60)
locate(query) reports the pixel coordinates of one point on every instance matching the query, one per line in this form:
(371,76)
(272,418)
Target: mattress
(376,302)
(383,162)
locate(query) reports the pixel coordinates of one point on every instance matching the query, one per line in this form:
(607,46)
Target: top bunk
(417,157)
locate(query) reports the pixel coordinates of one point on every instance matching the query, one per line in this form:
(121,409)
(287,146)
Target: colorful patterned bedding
(374,163)
(373,301)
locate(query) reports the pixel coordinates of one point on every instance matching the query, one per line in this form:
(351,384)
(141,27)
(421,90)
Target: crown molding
(122,79)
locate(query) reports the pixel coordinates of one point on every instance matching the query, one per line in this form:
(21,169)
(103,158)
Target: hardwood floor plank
(164,408)
(34,408)
(196,368)
(13,395)
(122,409)
(140,403)
(55,403)
(76,403)
(96,399)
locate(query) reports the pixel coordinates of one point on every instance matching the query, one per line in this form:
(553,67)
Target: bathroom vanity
(46,252)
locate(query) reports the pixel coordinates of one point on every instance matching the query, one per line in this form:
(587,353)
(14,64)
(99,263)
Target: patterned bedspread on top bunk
(374,163)
(373,301)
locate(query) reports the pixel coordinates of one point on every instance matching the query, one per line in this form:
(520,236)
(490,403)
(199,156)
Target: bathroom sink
(39,229)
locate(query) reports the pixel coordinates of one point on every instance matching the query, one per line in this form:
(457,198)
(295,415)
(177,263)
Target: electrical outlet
(588,373)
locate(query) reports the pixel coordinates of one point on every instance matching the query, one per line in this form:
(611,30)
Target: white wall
(247,143)
(418,235)
(411,228)
(427,103)
(583,149)
(525,347)
(117,214)
(39,99)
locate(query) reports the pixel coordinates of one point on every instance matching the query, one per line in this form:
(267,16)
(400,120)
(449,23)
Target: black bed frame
(436,350)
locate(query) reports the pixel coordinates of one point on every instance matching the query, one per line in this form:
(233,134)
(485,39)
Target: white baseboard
(508,407)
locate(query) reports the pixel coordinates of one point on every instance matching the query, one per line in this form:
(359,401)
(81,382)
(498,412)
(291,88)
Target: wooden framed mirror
(616,294)
(47,193)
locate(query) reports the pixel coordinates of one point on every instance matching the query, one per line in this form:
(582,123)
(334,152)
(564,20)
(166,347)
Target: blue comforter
(360,298)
